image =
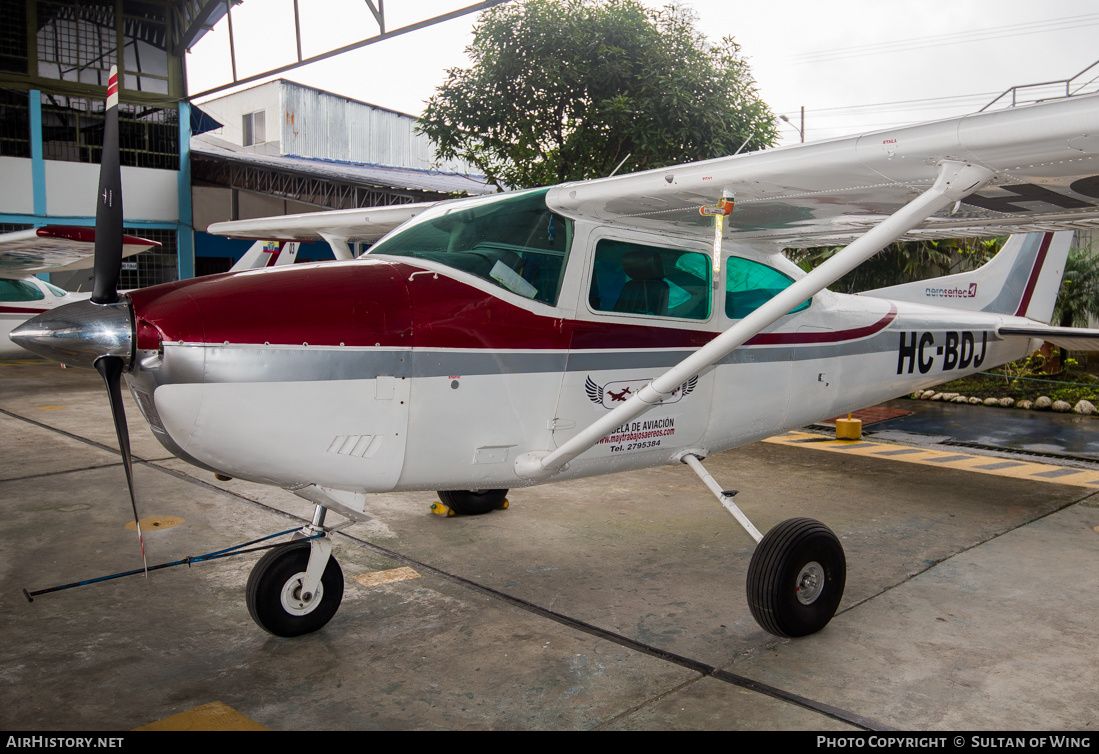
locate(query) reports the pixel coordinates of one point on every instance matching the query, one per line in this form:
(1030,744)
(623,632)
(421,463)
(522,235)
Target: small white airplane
(264,254)
(52,248)
(55,248)
(589,328)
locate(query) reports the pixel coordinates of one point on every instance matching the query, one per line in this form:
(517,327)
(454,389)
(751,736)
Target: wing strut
(955,181)
(340,247)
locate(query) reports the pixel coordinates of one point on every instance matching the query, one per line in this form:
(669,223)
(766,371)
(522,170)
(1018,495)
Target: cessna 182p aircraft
(591,328)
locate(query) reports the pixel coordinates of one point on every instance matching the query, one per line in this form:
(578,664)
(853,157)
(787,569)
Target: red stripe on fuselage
(822,336)
(1035,273)
(375,303)
(21,310)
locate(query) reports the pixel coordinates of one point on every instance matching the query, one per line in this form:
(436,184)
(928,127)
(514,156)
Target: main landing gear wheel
(274,593)
(473,502)
(796,578)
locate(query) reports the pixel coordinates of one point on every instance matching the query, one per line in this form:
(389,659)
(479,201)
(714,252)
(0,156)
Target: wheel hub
(810,583)
(296,603)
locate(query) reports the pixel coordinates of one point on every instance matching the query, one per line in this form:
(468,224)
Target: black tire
(473,503)
(799,549)
(273,574)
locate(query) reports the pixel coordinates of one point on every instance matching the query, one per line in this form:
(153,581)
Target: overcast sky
(855,65)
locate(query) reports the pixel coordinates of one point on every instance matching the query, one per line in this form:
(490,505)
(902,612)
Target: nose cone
(79,333)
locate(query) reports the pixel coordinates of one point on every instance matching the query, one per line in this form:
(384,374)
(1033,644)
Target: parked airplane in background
(267,254)
(53,248)
(595,327)
(63,248)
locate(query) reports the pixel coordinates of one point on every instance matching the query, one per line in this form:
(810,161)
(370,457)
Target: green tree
(564,91)
(1078,297)
(904,261)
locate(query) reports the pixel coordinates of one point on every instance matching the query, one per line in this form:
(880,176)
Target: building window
(15,124)
(158,265)
(76,41)
(13,36)
(255,128)
(72,131)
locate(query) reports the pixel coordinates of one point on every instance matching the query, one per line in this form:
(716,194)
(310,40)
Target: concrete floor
(614,603)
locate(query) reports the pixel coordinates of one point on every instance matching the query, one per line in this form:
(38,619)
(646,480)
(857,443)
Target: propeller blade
(110,369)
(108,212)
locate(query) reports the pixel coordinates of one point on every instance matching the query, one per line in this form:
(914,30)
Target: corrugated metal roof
(379,176)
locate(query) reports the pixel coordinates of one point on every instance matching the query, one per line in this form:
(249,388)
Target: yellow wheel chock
(439,509)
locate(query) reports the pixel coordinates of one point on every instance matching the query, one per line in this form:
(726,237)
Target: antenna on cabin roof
(620,164)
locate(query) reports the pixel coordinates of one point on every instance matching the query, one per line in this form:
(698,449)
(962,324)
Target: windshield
(514,241)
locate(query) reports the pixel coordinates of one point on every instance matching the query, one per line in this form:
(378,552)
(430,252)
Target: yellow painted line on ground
(212,716)
(50,408)
(951,459)
(377,578)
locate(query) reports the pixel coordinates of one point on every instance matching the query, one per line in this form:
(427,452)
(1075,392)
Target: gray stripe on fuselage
(234,364)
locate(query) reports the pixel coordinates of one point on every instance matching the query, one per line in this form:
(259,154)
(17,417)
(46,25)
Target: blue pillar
(185,237)
(38,163)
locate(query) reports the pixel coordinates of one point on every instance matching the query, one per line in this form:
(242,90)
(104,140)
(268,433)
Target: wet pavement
(1029,431)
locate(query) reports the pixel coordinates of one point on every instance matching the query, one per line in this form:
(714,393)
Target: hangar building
(55,57)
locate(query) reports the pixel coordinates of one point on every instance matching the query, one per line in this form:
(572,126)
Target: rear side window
(631,278)
(19,290)
(749,285)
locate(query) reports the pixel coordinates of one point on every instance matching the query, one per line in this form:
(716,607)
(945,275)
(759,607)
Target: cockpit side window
(749,285)
(19,290)
(631,278)
(515,242)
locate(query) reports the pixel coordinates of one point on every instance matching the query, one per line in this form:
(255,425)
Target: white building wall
(307,122)
(148,194)
(231,109)
(16,186)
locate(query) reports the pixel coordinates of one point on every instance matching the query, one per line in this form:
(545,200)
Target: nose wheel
(278,599)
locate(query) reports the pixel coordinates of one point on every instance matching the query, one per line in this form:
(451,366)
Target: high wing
(55,248)
(1045,159)
(337,227)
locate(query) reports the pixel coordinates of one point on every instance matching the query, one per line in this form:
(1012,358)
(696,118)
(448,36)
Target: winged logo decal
(686,388)
(595,393)
(619,391)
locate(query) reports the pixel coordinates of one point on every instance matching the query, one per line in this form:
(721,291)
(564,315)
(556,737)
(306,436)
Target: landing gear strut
(797,572)
(295,589)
